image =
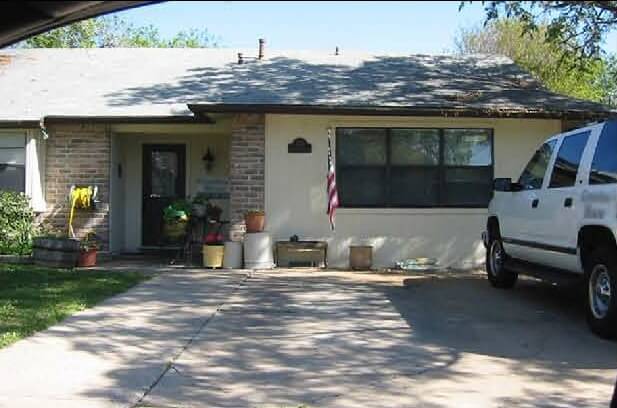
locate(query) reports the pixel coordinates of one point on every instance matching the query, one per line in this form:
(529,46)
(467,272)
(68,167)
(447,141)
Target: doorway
(164,181)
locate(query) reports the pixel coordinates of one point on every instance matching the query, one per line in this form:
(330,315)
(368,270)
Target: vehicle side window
(531,178)
(568,160)
(604,165)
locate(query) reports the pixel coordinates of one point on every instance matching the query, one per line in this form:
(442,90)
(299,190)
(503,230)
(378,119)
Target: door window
(532,176)
(568,160)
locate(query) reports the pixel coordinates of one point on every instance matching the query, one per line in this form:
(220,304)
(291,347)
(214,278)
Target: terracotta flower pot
(255,221)
(87,258)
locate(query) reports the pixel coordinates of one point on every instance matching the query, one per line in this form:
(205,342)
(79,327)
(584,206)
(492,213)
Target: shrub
(16,223)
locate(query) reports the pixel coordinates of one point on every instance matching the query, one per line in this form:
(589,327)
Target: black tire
(601,293)
(497,274)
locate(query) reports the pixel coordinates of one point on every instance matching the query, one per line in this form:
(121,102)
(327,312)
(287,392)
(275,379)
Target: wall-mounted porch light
(208,159)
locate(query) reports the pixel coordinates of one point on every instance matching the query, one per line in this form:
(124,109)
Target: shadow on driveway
(349,340)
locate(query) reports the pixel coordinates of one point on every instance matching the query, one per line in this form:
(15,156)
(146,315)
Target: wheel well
(492,227)
(592,237)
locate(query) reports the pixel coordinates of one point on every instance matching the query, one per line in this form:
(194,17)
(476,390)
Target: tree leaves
(579,27)
(558,68)
(114,32)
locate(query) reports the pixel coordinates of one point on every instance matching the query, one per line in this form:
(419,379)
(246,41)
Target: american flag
(331,184)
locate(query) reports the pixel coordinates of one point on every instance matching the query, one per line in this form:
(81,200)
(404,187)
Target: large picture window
(12,162)
(414,167)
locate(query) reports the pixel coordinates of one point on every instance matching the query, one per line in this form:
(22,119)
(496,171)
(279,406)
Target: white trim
(34,165)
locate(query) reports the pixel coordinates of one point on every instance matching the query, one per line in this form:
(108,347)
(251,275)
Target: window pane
(415,146)
(604,165)
(164,175)
(12,140)
(467,186)
(532,176)
(467,147)
(568,159)
(414,187)
(13,155)
(361,146)
(12,178)
(359,187)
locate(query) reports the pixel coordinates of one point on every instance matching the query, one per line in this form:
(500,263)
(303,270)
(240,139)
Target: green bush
(16,223)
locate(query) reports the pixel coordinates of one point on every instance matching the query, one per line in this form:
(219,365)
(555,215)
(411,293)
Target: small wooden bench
(291,254)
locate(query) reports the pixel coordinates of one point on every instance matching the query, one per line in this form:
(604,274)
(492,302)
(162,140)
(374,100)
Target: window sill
(412,211)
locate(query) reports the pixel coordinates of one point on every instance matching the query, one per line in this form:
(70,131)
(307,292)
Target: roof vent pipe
(262,43)
(240,59)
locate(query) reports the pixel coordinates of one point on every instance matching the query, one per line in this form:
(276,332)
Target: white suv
(559,220)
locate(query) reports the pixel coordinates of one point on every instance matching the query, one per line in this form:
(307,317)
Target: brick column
(78,154)
(246,179)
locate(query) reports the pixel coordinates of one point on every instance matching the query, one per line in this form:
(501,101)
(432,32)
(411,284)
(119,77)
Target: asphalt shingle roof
(160,82)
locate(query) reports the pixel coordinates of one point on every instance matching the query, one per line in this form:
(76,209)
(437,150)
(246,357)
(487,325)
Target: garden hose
(81,198)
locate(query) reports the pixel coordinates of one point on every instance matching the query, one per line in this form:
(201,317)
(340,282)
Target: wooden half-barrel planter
(57,252)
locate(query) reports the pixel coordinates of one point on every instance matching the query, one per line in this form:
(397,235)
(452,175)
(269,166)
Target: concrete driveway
(192,338)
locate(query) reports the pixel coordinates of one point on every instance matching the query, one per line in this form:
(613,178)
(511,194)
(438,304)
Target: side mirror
(506,184)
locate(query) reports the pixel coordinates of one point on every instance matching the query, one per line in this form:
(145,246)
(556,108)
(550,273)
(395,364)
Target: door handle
(567,202)
(534,203)
(155,196)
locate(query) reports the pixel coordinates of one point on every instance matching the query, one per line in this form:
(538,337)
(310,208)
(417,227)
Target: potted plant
(200,204)
(255,221)
(213,212)
(88,248)
(176,217)
(213,248)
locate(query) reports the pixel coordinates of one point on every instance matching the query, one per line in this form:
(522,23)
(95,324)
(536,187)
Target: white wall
(130,140)
(296,198)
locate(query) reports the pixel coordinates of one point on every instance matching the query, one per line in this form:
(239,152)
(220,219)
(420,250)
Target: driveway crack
(189,342)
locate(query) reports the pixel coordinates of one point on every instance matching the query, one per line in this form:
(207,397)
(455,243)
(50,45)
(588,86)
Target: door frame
(158,140)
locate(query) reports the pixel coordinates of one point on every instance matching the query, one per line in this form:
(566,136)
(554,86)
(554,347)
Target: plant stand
(57,252)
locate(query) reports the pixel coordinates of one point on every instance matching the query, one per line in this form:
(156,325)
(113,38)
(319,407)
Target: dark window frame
(441,166)
(4,166)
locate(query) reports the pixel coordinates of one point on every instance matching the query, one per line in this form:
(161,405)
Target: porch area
(140,166)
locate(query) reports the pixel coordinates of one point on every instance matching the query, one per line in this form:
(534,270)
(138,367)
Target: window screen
(414,167)
(568,159)
(12,162)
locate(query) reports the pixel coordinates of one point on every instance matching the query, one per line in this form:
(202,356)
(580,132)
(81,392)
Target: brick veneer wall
(81,155)
(246,179)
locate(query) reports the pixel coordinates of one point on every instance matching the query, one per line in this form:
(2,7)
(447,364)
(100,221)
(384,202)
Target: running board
(545,273)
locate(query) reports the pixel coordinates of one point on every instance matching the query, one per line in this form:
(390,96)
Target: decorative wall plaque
(299,145)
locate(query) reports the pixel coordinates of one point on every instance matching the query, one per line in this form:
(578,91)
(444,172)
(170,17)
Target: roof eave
(398,111)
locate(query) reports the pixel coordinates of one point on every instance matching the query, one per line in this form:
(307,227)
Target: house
(417,141)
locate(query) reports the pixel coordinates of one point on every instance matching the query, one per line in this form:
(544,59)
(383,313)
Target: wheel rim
(600,291)
(496,258)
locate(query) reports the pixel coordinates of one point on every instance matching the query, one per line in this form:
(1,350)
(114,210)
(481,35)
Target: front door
(163,182)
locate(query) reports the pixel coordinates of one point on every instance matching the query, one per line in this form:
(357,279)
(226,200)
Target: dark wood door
(164,173)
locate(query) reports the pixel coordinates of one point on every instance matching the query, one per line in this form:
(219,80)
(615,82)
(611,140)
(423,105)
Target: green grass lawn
(33,298)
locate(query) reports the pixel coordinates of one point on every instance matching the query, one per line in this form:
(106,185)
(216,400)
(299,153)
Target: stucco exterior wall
(295,192)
